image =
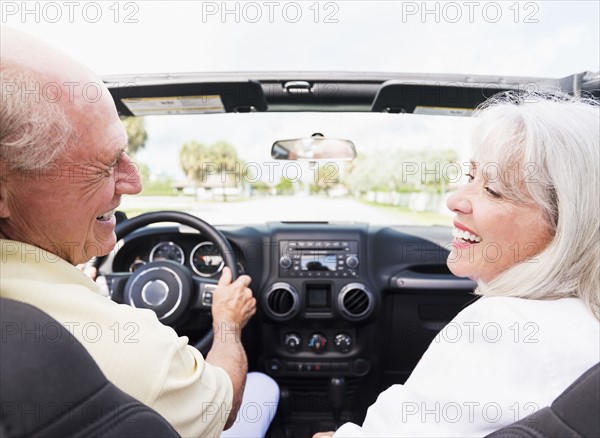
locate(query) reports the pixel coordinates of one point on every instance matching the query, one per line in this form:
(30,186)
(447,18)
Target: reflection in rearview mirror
(313,148)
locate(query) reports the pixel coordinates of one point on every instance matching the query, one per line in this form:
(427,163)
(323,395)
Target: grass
(419,217)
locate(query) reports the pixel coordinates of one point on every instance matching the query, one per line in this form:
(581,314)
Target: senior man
(63,170)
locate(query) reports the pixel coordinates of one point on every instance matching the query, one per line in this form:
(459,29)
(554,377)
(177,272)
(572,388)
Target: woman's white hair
(546,149)
(34,130)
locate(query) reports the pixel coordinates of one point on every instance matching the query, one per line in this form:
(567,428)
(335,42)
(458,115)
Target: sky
(526,38)
(539,38)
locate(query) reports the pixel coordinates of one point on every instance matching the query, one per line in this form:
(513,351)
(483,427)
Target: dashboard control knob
(292,342)
(285,262)
(273,366)
(317,342)
(342,342)
(352,261)
(362,366)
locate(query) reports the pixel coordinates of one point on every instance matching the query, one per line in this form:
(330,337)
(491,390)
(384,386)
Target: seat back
(51,387)
(575,413)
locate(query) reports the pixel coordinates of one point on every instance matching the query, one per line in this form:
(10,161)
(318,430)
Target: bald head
(34,55)
(47,100)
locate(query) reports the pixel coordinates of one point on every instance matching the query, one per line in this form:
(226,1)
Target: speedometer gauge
(206,260)
(167,251)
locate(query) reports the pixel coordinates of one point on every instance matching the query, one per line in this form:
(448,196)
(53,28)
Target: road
(280,208)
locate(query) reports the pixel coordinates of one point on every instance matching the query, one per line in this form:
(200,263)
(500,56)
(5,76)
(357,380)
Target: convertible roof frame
(338,91)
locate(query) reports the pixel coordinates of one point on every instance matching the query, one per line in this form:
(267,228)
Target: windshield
(219,165)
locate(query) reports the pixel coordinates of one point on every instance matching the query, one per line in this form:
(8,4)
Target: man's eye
(111,169)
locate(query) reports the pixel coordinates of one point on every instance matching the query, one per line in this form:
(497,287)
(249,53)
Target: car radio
(318,258)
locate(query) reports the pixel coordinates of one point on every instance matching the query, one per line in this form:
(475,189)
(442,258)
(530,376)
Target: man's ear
(4,210)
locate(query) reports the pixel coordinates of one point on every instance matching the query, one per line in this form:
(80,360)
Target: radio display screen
(318,262)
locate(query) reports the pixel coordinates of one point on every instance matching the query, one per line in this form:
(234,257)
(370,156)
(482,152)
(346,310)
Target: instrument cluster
(204,258)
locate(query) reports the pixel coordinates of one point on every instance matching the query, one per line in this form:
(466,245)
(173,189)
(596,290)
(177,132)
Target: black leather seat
(575,413)
(51,387)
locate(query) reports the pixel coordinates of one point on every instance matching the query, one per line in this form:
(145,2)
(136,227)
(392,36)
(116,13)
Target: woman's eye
(492,193)
(470,177)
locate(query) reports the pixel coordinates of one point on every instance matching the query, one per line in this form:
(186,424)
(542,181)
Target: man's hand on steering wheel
(171,289)
(233,302)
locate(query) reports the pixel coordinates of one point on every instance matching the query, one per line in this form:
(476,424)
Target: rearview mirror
(313,148)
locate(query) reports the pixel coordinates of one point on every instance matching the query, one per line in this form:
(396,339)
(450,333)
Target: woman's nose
(458,202)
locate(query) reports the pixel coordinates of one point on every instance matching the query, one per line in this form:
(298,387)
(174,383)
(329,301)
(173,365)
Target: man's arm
(233,305)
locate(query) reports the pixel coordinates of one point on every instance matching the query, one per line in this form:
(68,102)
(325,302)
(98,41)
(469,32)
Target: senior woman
(526,229)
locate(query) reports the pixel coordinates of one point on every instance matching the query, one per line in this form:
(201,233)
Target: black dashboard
(339,299)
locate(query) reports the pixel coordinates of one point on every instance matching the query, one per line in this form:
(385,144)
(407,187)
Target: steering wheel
(166,287)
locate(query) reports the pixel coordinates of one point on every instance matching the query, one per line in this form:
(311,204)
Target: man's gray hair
(34,130)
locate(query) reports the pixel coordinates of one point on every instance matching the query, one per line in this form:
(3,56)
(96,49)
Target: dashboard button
(362,366)
(342,342)
(292,342)
(285,262)
(273,366)
(352,261)
(317,342)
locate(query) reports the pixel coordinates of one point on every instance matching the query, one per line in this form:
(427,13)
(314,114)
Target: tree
(192,157)
(136,133)
(224,155)
(260,188)
(366,173)
(285,186)
(402,171)
(218,163)
(327,176)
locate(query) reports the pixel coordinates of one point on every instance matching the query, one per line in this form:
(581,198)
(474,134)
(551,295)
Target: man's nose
(128,178)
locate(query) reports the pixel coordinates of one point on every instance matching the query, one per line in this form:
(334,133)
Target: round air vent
(281,301)
(356,301)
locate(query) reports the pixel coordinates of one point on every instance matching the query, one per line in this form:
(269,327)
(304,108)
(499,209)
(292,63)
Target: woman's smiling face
(491,234)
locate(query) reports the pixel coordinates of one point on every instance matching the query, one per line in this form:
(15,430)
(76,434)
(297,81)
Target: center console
(317,305)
